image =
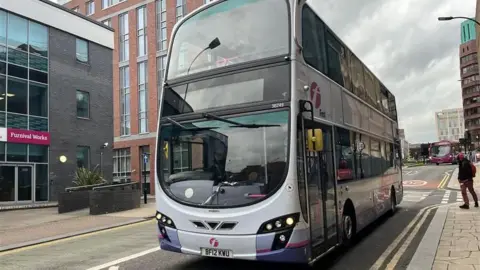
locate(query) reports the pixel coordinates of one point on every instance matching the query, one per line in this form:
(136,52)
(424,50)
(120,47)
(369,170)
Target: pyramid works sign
(23,136)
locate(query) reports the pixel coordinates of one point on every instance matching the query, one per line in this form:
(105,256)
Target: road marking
(414,183)
(444,181)
(415,196)
(113,268)
(399,238)
(410,172)
(124,259)
(446,197)
(393,262)
(73,238)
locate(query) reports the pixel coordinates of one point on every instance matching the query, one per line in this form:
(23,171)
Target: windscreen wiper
(235,124)
(175,123)
(218,190)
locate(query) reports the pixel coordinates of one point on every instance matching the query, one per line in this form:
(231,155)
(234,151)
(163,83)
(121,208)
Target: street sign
(145,158)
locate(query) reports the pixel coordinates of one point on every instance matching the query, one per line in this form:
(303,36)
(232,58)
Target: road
(136,247)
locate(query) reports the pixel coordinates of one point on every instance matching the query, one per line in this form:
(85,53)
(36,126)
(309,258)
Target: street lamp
(449,18)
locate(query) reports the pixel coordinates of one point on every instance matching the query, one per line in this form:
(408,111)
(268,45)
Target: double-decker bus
(275,142)
(443,152)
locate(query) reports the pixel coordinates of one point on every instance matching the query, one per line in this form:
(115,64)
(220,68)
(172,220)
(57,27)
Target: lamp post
(449,18)
(104,145)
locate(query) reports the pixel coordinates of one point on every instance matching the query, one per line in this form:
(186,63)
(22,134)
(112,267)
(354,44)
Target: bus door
(321,184)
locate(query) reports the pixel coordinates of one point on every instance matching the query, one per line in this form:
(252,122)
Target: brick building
(470,78)
(142,32)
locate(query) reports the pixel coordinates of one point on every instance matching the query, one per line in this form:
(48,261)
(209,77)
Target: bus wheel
(349,227)
(438,164)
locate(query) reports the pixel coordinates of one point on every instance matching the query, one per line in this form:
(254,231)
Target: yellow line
(54,242)
(444,180)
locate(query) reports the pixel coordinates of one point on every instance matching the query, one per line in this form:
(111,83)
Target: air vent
(227,226)
(213,224)
(199,225)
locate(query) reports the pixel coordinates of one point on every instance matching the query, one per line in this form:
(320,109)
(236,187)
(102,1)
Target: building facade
(467,31)
(142,32)
(470,77)
(55,98)
(450,124)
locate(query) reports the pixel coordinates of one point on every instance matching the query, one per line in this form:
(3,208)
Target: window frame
(88,104)
(77,53)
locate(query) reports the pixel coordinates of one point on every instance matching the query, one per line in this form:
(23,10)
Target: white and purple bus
(275,142)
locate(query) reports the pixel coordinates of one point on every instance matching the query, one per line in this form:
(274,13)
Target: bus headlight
(164,220)
(279,223)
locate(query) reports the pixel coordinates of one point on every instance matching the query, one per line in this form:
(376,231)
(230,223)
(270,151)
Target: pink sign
(28,136)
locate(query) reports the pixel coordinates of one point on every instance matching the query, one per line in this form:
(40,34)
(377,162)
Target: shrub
(86,177)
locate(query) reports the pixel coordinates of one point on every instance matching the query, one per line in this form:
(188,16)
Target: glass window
(38,99)
(142,31)
(17,32)
(124,48)
(37,76)
(38,123)
(83,104)
(82,50)
(238,43)
(345,154)
(313,40)
(142,97)
(17,71)
(121,165)
(3,53)
(3,90)
(38,39)
(90,7)
(38,153)
(335,52)
(3,27)
(18,57)
(17,121)
(41,181)
(2,151)
(17,92)
(39,63)
(124,101)
(17,152)
(83,156)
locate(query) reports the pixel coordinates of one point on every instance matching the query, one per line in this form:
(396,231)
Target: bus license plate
(221,253)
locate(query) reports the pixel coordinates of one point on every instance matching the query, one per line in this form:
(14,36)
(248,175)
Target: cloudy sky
(415,55)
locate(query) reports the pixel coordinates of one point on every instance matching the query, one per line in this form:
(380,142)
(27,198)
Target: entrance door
(321,191)
(24,183)
(7,183)
(16,183)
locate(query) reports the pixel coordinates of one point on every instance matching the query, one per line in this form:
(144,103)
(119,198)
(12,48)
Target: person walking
(465,178)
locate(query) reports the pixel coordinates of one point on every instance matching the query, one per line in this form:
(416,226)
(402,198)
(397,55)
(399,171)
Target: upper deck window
(247,30)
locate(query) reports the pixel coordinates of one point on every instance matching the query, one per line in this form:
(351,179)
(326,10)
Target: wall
(67,131)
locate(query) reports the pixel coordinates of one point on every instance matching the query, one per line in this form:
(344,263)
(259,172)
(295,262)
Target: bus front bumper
(262,247)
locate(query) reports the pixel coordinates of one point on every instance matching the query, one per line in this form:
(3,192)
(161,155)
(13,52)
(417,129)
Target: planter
(73,201)
(116,198)
(75,198)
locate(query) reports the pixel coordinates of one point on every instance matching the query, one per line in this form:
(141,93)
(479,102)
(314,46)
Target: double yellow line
(444,181)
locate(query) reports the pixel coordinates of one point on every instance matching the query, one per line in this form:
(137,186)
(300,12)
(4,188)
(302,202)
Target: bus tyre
(349,227)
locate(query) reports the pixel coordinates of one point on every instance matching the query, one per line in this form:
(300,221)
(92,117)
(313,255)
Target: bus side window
(344,140)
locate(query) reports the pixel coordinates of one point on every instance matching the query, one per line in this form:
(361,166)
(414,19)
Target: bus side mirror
(315,140)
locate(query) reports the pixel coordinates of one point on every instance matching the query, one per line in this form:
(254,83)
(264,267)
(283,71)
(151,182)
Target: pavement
(28,227)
